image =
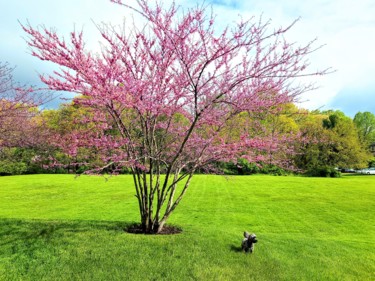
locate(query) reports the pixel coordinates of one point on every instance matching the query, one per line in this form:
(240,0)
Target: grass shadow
(235,248)
(13,230)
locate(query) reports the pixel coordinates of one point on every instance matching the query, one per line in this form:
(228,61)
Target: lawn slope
(56,227)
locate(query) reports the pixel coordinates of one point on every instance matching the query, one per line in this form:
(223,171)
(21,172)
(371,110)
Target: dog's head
(252,238)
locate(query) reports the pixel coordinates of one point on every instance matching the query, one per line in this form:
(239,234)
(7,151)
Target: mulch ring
(167,230)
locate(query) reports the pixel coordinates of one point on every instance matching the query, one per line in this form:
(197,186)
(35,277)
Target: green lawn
(56,227)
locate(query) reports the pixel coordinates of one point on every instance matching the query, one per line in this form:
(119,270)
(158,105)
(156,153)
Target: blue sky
(346,27)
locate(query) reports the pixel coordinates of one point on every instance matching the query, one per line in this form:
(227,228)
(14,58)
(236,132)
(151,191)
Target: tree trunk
(157,201)
(151,227)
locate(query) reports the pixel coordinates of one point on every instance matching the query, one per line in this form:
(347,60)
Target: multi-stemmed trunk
(158,196)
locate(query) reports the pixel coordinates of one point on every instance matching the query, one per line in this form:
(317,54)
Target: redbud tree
(18,104)
(163,95)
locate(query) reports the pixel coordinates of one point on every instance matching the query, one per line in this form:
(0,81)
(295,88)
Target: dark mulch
(167,230)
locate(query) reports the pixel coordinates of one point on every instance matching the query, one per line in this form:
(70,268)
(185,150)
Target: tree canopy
(365,123)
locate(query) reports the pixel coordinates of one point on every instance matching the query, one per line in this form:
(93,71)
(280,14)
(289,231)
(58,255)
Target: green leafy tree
(365,123)
(331,141)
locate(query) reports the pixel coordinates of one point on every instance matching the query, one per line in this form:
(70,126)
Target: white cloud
(347,27)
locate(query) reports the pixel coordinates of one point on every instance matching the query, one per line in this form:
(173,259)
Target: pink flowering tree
(163,95)
(18,104)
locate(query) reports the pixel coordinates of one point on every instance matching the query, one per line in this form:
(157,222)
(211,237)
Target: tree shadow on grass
(14,230)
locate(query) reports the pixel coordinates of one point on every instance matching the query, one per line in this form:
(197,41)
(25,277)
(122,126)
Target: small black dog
(248,242)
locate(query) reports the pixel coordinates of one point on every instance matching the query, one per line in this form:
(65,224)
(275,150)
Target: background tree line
(312,142)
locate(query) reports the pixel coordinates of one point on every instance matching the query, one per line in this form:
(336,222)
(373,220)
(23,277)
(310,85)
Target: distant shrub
(246,168)
(81,169)
(274,170)
(12,168)
(243,167)
(328,172)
